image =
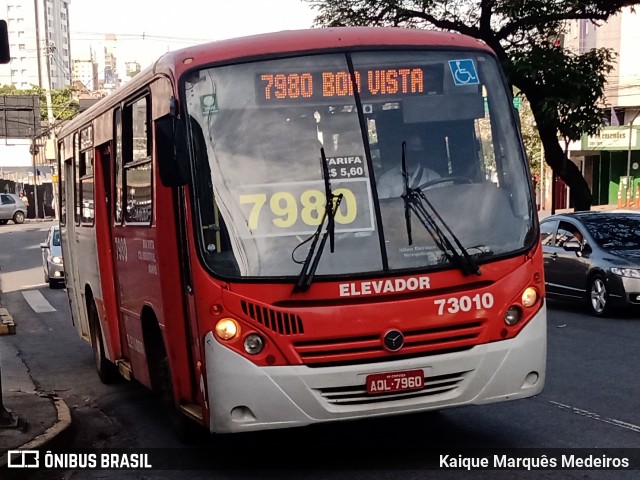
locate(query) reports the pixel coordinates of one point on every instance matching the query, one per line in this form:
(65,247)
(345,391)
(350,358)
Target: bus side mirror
(171,151)
(5,54)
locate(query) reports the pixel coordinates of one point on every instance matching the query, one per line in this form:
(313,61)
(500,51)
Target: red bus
(308,226)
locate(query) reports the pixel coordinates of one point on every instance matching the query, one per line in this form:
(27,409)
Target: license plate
(395,382)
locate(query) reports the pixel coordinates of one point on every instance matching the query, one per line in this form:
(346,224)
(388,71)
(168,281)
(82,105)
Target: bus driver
(391,183)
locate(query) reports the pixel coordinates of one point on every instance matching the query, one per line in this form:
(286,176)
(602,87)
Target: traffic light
(5,54)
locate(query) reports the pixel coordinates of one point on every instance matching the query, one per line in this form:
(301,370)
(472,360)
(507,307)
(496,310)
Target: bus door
(135,254)
(104,236)
(71,214)
(119,253)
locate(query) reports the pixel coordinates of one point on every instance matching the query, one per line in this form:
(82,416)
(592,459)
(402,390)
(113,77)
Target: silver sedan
(52,258)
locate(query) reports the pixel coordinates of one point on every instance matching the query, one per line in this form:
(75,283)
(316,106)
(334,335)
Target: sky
(145,29)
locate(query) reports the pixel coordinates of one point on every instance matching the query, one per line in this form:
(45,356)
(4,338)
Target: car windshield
(55,238)
(257,131)
(614,232)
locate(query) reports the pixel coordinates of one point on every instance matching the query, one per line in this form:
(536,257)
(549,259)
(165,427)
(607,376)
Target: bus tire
(107,371)
(184,429)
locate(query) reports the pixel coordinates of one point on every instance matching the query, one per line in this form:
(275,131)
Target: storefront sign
(611,138)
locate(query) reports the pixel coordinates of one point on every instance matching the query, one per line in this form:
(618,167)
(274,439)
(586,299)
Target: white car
(52,258)
(12,208)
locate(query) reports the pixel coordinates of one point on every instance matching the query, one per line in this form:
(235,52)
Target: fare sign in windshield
(300,86)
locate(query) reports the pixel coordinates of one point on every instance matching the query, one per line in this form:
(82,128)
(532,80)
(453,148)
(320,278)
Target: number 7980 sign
(286,210)
(297,208)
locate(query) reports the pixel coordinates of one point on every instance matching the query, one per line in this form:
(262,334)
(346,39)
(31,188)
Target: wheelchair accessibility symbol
(464,72)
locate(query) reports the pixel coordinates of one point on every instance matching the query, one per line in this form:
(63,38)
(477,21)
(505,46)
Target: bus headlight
(253,344)
(57,260)
(529,297)
(227,328)
(513,316)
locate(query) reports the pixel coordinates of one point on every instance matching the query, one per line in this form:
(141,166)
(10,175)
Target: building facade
(39,43)
(86,72)
(610,160)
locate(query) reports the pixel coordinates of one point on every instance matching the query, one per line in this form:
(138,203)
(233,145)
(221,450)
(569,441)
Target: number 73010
(464,303)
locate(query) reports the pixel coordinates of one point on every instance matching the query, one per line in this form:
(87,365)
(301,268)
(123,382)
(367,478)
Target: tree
(565,90)
(64,106)
(530,136)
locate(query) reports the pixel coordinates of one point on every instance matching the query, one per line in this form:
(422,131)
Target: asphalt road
(591,401)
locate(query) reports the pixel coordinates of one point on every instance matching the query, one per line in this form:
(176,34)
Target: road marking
(595,416)
(37,301)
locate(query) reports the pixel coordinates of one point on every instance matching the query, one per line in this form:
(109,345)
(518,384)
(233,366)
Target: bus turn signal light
(529,297)
(227,328)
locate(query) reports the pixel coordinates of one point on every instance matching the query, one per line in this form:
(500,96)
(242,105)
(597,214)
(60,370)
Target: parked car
(593,257)
(12,208)
(52,258)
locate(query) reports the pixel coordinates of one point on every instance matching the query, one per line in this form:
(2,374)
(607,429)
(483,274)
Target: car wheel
(598,296)
(107,371)
(18,217)
(3,222)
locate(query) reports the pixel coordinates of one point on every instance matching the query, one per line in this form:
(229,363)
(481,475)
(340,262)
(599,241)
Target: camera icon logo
(23,459)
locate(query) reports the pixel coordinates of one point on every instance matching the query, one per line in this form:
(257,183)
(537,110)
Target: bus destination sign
(294,87)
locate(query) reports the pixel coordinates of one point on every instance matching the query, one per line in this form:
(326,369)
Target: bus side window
(215,236)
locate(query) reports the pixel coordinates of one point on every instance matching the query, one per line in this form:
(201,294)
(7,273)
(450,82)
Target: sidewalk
(41,418)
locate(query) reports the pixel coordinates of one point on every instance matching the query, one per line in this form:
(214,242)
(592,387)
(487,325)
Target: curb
(7,326)
(63,423)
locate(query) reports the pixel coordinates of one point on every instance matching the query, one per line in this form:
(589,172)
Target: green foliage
(64,105)
(530,136)
(574,86)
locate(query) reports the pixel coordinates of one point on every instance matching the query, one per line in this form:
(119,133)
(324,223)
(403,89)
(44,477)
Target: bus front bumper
(245,397)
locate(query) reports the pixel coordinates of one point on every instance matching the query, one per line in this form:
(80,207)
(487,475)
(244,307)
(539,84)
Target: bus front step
(124,367)
(193,411)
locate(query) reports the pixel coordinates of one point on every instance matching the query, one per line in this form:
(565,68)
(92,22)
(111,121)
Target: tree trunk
(555,157)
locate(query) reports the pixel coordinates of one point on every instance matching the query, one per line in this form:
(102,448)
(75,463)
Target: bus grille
(357,394)
(280,322)
(369,348)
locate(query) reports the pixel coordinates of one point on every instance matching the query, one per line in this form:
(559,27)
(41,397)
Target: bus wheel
(184,429)
(107,371)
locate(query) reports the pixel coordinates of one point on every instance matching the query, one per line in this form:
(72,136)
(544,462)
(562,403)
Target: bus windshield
(257,130)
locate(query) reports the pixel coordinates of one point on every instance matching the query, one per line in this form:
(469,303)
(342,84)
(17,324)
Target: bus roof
(319,39)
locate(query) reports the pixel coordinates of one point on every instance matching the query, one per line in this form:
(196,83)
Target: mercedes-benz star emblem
(393,340)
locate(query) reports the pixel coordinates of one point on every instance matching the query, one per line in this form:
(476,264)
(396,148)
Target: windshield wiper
(415,201)
(310,264)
